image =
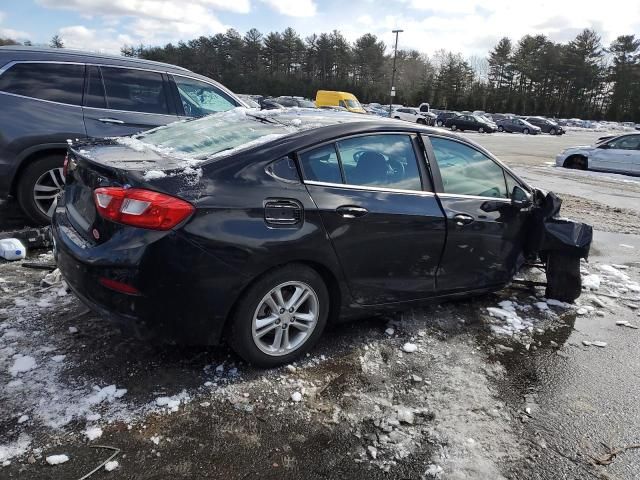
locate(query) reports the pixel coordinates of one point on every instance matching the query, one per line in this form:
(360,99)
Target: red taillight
(65,166)
(141,208)
(119,286)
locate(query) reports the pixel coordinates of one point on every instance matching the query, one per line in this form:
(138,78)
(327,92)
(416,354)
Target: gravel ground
(500,386)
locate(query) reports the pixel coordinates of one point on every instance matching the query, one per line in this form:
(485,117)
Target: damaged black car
(260,228)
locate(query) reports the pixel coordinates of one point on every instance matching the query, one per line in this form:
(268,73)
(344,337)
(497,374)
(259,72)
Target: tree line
(533,76)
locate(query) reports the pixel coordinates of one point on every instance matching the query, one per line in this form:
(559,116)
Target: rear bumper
(186,294)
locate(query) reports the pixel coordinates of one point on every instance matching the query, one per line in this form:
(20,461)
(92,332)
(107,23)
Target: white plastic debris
(12,249)
(409,347)
(599,344)
(111,466)
(57,459)
(296,397)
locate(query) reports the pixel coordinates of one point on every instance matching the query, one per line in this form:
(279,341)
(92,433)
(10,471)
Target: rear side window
(380,160)
(466,171)
(94,90)
(321,164)
(200,99)
(135,90)
(56,82)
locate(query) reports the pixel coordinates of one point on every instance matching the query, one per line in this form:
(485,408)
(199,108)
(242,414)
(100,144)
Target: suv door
(484,247)
(123,101)
(381,215)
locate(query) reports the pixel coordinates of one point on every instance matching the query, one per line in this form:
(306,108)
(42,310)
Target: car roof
(23,53)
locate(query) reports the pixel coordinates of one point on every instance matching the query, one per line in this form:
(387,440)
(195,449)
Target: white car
(619,154)
(410,114)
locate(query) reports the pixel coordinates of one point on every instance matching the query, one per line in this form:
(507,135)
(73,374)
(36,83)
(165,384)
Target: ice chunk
(296,397)
(93,432)
(57,459)
(111,466)
(409,347)
(591,282)
(21,364)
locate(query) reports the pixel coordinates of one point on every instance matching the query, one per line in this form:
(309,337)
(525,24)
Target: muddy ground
(500,386)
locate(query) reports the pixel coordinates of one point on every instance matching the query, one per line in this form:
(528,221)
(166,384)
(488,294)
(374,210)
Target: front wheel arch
(576,162)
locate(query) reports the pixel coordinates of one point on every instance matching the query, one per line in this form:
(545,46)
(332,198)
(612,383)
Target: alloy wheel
(46,190)
(285,318)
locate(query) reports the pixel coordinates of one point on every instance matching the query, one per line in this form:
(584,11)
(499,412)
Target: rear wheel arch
(33,157)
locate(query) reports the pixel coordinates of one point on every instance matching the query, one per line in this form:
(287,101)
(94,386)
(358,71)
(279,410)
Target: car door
(122,101)
(484,230)
(198,98)
(376,202)
(621,154)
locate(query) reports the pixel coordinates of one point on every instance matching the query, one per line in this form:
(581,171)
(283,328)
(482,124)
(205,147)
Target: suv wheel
(453,127)
(500,128)
(481,130)
(525,131)
(280,317)
(421,121)
(439,123)
(552,131)
(39,186)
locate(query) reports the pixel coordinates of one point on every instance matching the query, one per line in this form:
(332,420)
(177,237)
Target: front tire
(552,131)
(454,127)
(500,128)
(525,131)
(421,121)
(439,123)
(563,276)
(481,130)
(576,162)
(39,186)
(280,317)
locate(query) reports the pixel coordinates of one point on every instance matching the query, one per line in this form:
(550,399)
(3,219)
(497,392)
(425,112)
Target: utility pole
(393,72)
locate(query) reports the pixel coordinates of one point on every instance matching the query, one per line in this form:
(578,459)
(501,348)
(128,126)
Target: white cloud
(81,37)
(10,32)
(293,8)
(365,19)
(154,8)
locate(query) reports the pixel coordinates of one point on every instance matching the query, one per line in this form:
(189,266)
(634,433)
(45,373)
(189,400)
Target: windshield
(353,103)
(480,119)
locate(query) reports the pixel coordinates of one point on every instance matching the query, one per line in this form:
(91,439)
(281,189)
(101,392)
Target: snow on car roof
(225,133)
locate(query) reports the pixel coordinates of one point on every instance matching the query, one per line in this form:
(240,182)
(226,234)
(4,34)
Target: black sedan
(262,227)
(546,125)
(475,123)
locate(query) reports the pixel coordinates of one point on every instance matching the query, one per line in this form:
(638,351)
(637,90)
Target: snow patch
(57,459)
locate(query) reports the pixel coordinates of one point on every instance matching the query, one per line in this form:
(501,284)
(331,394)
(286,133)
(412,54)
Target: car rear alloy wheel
(285,318)
(39,186)
(525,131)
(280,317)
(480,130)
(552,131)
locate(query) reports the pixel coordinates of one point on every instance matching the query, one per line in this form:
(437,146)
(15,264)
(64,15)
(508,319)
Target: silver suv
(49,96)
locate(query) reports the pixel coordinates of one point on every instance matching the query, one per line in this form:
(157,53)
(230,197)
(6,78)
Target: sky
(471,27)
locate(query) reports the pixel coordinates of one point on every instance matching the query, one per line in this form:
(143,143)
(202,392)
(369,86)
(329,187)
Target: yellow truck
(330,98)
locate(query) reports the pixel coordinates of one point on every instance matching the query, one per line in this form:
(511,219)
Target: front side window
(56,82)
(631,142)
(321,164)
(466,171)
(200,98)
(353,103)
(380,160)
(135,90)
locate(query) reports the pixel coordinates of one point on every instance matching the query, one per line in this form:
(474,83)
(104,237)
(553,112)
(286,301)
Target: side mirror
(520,197)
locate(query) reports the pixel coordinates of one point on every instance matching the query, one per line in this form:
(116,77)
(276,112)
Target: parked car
(250,101)
(338,99)
(546,125)
(424,107)
(48,96)
(269,103)
(517,125)
(293,220)
(411,114)
(443,116)
(618,154)
(470,122)
(300,102)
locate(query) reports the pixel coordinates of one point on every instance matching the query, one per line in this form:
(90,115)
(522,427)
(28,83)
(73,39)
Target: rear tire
(242,334)
(500,128)
(421,121)
(454,127)
(563,276)
(46,172)
(525,131)
(552,131)
(439,123)
(481,130)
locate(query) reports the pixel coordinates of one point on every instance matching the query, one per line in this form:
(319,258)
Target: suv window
(321,164)
(94,92)
(466,171)
(200,98)
(56,82)
(135,90)
(380,160)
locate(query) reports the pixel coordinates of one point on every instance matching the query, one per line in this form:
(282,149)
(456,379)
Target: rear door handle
(462,219)
(349,211)
(111,120)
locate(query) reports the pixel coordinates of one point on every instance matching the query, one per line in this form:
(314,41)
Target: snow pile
(111,466)
(93,432)
(16,448)
(21,364)
(172,404)
(57,459)
(507,321)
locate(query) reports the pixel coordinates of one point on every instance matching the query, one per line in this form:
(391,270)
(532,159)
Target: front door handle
(350,211)
(111,120)
(462,219)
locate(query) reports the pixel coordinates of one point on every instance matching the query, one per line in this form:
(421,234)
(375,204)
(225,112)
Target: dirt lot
(500,386)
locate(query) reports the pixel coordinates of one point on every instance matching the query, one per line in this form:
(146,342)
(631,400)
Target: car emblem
(96,234)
